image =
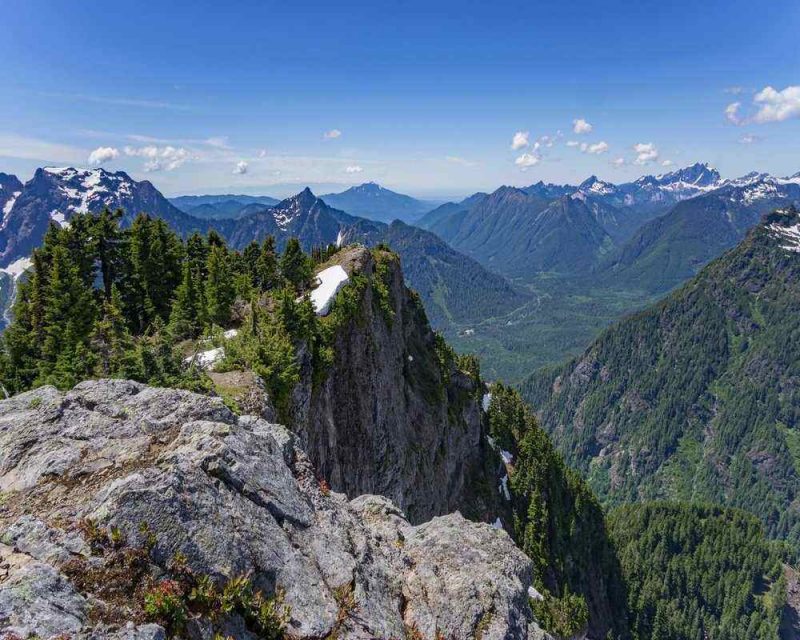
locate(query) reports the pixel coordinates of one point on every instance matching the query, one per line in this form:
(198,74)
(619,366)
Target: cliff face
(117,497)
(394,415)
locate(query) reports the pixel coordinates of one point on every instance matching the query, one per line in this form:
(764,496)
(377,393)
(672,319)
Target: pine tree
(267,266)
(69,312)
(295,265)
(111,342)
(108,247)
(187,317)
(220,291)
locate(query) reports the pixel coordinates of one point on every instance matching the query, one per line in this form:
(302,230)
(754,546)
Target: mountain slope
(519,235)
(208,523)
(374,202)
(448,210)
(712,556)
(54,194)
(673,247)
(453,287)
(10,189)
(696,398)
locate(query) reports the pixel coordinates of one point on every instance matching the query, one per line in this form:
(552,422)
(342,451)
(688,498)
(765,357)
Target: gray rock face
(234,495)
(387,419)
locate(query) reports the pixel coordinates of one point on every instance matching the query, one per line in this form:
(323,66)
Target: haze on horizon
(434,101)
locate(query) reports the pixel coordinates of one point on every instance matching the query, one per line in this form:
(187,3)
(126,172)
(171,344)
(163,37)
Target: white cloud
(101,155)
(732,112)
(459,160)
(520,140)
(547,140)
(262,153)
(354,169)
(777,106)
(646,152)
(734,90)
(749,138)
(527,160)
(241,168)
(667,163)
(595,149)
(332,134)
(769,105)
(573,143)
(618,162)
(579,126)
(157,158)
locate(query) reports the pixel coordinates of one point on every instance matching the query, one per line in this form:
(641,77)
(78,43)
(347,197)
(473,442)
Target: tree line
(103,301)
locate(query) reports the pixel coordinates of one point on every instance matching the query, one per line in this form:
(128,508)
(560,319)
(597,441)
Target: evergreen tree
(69,312)
(108,247)
(187,318)
(296,266)
(266,274)
(111,342)
(220,289)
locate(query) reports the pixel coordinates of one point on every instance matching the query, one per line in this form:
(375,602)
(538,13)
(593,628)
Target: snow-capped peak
(596,186)
(284,212)
(85,189)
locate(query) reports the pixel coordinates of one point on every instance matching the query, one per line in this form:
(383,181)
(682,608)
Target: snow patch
(18,267)
(533,594)
(331,280)
(486,401)
(506,456)
(790,235)
(339,239)
(58,217)
(504,488)
(498,524)
(206,359)
(10,204)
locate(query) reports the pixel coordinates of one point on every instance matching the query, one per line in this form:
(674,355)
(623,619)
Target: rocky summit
(117,495)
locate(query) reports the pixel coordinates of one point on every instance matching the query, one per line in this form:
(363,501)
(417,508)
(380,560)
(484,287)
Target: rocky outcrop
(390,417)
(228,496)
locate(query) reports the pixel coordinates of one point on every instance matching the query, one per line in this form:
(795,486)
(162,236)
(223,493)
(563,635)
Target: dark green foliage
(557,522)
(296,266)
(564,617)
(698,394)
(220,291)
(265,275)
(698,572)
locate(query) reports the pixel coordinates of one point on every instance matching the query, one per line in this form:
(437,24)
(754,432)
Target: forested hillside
(140,303)
(699,572)
(695,398)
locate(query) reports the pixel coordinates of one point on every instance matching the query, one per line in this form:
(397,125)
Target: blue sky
(425,97)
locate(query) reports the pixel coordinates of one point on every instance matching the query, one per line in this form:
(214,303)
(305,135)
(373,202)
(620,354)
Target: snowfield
(18,267)
(791,235)
(331,280)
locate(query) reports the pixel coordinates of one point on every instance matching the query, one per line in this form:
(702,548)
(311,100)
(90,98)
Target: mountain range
(445,279)
(695,398)
(671,248)
(221,206)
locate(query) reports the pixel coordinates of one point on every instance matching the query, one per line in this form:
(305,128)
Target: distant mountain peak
(700,174)
(594,185)
(371,200)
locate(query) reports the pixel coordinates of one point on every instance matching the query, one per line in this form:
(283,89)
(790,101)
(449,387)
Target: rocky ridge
(231,496)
